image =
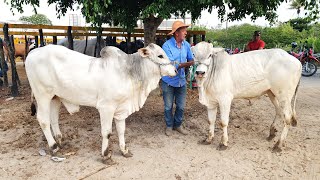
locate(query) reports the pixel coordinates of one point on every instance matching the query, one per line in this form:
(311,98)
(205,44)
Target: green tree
(127,12)
(297,5)
(36,19)
(300,24)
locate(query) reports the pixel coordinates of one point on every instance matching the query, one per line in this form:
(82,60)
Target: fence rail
(84,31)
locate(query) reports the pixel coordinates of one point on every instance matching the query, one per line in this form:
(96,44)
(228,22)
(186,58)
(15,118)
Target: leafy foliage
(36,19)
(281,36)
(127,12)
(300,23)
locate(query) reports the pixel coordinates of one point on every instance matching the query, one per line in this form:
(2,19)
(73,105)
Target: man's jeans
(169,95)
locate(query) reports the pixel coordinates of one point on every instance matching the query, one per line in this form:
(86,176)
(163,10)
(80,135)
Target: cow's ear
(144,52)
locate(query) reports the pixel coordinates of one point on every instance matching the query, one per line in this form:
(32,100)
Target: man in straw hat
(174,88)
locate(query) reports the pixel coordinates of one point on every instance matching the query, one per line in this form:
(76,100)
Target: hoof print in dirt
(276,149)
(108,161)
(269,138)
(205,142)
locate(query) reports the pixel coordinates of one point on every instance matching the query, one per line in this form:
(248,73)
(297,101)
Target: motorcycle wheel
(310,70)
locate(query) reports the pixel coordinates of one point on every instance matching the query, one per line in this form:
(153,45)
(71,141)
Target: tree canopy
(126,12)
(37,19)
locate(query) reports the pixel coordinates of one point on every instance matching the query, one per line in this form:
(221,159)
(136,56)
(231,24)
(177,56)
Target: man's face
(181,33)
(257,37)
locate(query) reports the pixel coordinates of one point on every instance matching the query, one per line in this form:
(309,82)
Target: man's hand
(187,64)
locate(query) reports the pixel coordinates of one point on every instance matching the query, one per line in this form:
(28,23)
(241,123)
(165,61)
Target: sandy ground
(157,156)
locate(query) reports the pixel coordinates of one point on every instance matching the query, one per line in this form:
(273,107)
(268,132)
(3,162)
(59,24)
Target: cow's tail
(294,100)
(33,106)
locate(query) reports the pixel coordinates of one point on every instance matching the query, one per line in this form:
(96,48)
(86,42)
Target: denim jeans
(170,95)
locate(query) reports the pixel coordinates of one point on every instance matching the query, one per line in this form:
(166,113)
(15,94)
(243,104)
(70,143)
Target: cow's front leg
(121,127)
(224,105)
(106,116)
(212,114)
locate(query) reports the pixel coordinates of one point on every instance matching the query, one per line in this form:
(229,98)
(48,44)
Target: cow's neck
(144,73)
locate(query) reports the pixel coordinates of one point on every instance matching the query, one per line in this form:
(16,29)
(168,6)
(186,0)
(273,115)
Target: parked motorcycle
(305,56)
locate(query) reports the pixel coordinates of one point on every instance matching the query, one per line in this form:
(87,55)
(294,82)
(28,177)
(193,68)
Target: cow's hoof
(108,161)
(128,154)
(205,142)
(58,139)
(54,149)
(222,147)
(271,137)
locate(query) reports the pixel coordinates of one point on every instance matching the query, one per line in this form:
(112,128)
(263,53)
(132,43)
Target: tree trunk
(151,25)
(14,87)
(4,73)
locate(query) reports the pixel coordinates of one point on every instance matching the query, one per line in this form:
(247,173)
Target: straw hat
(176,25)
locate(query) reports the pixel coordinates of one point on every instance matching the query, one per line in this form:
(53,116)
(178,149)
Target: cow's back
(75,77)
(252,73)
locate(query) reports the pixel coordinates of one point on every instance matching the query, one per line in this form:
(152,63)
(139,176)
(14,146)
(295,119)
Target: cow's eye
(210,56)
(160,56)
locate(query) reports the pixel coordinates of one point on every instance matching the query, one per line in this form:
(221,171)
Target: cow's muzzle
(200,74)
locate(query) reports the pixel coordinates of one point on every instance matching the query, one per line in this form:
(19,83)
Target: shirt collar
(175,42)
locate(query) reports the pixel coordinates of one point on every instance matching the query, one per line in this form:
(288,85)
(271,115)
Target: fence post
(114,40)
(41,38)
(36,42)
(98,44)
(54,40)
(70,38)
(14,87)
(14,52)
(3,65)
(188,39)
(85,47)
(26,48)
(194,39)
(203,37)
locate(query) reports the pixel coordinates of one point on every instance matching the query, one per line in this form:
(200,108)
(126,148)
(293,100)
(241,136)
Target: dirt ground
(156,156)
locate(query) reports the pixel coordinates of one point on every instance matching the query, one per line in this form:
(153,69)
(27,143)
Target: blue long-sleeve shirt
(177,55)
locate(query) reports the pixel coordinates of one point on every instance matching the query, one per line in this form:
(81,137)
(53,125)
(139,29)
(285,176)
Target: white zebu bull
(116,84)
(80,45)
(222,77)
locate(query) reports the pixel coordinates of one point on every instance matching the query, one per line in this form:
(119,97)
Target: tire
(312,69)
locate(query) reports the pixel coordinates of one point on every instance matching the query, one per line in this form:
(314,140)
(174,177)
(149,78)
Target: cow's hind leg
(224,105)
(212,114)
(287,118)
(106,117)
(275,102)
(43,116)
(55,105)
(121,126)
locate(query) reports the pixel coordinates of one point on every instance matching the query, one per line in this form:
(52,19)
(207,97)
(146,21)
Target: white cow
(80,45)
(116,84)
(222,77)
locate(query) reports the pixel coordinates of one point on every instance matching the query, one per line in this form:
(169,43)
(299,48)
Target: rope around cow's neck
(159,65)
